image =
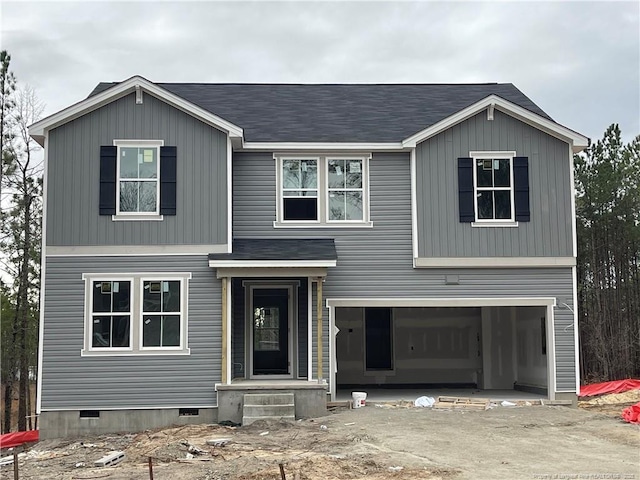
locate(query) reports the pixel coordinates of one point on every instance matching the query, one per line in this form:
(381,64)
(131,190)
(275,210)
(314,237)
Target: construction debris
(446,403)
(113,458)
(218,442)
(193,449)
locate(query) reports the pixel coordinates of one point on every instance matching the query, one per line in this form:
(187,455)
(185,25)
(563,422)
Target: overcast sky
(579,61)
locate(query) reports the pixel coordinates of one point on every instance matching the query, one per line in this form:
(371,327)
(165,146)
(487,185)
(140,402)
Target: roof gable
(339,113)
(119,90)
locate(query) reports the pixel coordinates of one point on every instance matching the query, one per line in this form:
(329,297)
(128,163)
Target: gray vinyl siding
(70,381)
(74,175)
(240,334)
(377,262)
(440,232)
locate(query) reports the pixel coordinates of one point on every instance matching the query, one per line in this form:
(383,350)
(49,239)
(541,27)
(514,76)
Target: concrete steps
(268,406)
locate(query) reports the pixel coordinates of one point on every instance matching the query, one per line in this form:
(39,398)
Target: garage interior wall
(430,345)
(491,347)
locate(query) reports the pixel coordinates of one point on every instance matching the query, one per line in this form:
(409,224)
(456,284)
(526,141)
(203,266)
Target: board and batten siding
(377,262)
(74,174)
(71,381)
(441,234)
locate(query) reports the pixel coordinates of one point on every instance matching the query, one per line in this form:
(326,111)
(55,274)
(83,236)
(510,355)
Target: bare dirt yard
(372,443)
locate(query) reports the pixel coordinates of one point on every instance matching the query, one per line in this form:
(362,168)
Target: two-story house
(205,241)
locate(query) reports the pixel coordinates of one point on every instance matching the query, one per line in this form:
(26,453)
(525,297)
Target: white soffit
(577,141)
(38,129)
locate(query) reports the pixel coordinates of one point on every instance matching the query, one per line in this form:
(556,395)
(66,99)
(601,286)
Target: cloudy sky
(580,61)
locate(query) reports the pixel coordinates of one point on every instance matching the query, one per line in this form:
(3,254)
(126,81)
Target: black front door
(270,323)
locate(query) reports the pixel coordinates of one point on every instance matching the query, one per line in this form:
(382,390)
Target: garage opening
(502,350)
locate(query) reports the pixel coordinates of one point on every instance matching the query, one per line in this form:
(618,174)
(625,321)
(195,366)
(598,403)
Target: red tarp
(14,439)
(617,386)
(632,414)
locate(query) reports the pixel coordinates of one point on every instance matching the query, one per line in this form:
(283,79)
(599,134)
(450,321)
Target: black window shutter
(108,160)
(465,190)
(168,176)
(521,188)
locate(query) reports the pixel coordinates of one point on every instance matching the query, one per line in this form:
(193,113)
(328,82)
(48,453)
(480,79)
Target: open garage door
(490,348)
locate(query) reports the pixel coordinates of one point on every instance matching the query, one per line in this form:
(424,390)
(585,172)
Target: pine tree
(608,228)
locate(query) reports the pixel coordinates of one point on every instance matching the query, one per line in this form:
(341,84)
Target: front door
(270,324)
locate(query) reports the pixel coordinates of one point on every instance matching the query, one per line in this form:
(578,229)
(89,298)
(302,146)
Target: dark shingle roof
(280,249)
(337,112)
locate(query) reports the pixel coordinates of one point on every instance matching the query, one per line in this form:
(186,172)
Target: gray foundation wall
(69,424)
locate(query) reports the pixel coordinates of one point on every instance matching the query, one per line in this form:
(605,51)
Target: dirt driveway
(372,443)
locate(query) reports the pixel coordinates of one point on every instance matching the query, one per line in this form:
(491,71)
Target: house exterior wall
(441,234)
(74,382)
(73,177)
(377,262)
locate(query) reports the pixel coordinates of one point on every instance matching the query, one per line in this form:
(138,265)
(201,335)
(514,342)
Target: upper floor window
(322,190)
(493,181)
(345,189)
(300,189)
(138,173)
(138,180)
(493,189)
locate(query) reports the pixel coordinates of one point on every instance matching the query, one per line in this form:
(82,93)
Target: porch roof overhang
(276,257)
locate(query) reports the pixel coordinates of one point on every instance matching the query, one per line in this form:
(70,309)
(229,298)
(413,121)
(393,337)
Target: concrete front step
(269,410)
(268,406)
(268,399)
(250,420)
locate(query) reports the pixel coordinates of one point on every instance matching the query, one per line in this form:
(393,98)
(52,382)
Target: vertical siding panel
(74,173)
(548,233)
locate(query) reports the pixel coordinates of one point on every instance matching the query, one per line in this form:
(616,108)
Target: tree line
(607,177)
(20,246)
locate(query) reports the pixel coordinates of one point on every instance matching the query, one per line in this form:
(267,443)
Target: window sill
(141,217)
(322,225)
(129,353)
(494,224)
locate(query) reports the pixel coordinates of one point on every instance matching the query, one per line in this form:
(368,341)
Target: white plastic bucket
(359,399)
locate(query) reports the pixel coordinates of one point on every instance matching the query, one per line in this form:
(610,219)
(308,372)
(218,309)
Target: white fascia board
(321,146)
(442,302)
(271,263)
(577,141)
(37,130)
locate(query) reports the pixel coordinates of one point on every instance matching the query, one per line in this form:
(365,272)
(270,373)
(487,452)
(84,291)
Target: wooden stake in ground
(282,475)
(15,463)
(150,469)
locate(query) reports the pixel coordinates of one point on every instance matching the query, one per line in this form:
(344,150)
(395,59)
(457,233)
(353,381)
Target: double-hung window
(110,314)
(322,191)
(161,312)
(138,177)
(136,314)
(300,189)
(345,189)
(493,184)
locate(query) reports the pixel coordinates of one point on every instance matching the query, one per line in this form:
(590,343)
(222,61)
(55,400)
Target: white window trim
(280,182)
(323,193)
(493,222)
(182,313)
(363,189)
(89,313)
(135,328)
(133,216)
